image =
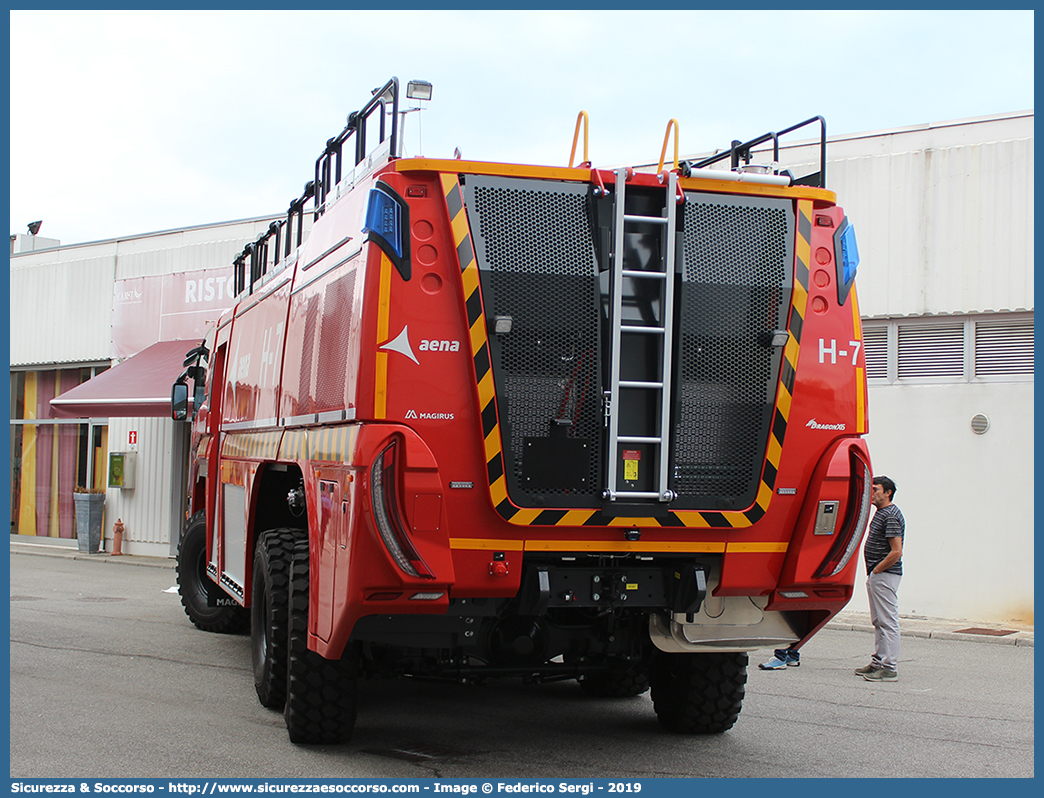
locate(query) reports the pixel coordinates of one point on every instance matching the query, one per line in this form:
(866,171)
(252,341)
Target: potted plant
(90,505)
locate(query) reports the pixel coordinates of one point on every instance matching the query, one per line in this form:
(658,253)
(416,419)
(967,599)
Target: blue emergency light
(384,219)
(846,256)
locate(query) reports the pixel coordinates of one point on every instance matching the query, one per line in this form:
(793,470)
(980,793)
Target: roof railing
(328,173)
(741,151)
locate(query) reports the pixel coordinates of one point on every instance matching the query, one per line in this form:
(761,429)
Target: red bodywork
(335,358)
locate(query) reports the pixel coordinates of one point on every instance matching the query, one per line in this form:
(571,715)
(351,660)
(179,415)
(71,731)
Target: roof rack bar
(741,150)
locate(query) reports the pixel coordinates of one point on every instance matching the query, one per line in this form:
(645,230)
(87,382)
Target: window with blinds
(931,350)
(1003,348)
(875,351)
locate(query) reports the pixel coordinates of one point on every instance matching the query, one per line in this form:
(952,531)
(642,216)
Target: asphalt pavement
(109,678)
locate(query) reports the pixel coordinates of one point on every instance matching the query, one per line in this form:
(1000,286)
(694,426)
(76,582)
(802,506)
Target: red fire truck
(541,422)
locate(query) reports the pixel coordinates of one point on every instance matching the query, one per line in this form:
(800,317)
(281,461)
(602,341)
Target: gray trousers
(883,592)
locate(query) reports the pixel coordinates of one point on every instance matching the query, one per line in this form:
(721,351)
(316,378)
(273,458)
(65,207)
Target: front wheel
(698,693)
(207,606)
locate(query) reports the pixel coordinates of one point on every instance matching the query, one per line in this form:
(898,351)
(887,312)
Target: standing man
(883,555)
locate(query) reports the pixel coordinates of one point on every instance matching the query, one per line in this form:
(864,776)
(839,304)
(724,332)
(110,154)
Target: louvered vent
(1003,348)
(875,350)
(931,350)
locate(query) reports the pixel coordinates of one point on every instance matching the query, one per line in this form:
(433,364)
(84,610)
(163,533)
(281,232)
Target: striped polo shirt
(888,522)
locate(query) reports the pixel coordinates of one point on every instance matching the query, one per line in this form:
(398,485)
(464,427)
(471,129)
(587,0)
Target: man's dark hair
(887,485)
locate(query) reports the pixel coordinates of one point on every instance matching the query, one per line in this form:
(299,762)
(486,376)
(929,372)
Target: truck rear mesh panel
(538,267)
(736,284)
(534,242)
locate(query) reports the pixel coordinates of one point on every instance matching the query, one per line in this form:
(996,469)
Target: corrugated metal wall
(149,509)
(61,299)
(60,312)
(942,230)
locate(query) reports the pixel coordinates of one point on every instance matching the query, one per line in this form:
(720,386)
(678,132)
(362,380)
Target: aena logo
(401,344)
(439,346)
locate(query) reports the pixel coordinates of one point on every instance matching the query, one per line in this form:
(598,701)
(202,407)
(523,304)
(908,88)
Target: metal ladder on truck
(659,387)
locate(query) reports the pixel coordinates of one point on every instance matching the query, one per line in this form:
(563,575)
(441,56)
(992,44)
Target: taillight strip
(383,495)
(856,516)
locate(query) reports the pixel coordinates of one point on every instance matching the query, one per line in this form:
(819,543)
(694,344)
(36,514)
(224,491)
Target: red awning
(139,386)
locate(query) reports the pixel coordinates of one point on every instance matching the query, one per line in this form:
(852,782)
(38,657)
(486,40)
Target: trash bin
(89,510)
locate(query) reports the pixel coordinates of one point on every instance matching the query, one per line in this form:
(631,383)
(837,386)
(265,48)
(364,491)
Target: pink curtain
(68,461)
(44,451)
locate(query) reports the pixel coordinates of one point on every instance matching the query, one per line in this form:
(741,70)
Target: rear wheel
(269,600)
(698,693)
(321,693)
(207,605)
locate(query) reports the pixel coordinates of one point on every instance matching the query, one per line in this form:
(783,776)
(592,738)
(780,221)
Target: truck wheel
(698,693)
(269,598)
(612,683)
(321,693)
(198,593)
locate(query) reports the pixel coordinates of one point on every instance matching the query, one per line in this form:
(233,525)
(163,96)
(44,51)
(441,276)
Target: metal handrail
(576,133)
(741,150)
(666,138)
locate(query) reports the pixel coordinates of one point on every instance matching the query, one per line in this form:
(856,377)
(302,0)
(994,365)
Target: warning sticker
(631,458)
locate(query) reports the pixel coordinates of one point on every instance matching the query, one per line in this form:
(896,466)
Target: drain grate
(417,753)
(975,630)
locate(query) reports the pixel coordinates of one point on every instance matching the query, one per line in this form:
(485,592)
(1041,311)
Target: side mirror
(179,401)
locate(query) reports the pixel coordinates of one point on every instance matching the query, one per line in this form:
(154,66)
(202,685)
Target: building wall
(70,288)
(967,498)
(944,221)
(62,314)
(943,230)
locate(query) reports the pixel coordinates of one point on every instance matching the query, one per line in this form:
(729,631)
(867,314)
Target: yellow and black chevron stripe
(478,337)
(595,518)
(784,396)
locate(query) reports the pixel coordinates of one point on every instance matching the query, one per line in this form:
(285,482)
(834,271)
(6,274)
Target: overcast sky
(128,122)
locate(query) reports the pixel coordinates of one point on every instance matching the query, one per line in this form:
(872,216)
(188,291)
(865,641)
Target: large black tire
(207,606)
(698,693)
(321,693)
(616,682)
(269,614)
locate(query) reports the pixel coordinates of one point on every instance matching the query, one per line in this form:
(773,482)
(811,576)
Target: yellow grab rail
(572,153)
(666,138)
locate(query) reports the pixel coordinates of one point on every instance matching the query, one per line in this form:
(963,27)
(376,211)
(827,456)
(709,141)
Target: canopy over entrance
(139,386)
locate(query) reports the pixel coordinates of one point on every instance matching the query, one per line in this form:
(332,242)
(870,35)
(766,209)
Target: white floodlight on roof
(418,90)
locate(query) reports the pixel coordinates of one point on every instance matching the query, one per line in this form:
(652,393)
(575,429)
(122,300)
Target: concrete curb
(73,553)
(1016,634)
